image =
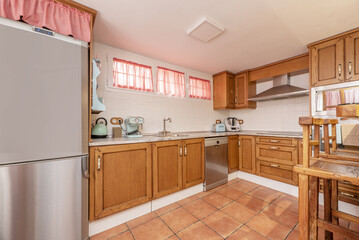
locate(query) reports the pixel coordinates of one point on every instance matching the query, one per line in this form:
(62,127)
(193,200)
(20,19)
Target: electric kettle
(100,128)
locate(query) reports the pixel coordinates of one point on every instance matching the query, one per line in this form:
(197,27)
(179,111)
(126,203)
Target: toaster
(218,127)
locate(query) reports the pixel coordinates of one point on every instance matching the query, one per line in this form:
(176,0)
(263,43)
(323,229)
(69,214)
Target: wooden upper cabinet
(233,161)
(335,59)
(327,62)
(223,90)
(167,167)
(231,92)
(247,153)
(193,162)
(243,90)
(120,178)
(352,56)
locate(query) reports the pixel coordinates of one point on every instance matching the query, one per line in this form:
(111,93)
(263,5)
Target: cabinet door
(280,172)
(121,178)
(167,167)
(233,161)
(193,162)
(230,91)
(352,57)
(240,90)
(247,154)
(327,62)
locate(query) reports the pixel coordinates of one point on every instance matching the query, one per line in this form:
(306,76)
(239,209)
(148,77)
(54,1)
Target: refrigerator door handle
(84,166)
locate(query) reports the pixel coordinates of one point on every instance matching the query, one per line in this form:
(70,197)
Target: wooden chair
(332,165)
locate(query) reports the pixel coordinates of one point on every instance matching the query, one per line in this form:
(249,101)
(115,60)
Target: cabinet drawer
(276,141)
(280,172)
(277,154)
(346,192)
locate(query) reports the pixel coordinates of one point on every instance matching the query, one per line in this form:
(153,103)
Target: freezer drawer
(44,200)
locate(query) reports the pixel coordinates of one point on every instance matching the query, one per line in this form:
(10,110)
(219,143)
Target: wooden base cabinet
(167,167)
(193,162)
(233,160)
(177,165)
(247,153)
(120,178)
(280,172)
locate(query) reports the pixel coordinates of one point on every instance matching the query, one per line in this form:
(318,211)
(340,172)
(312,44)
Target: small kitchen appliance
(233,124)
(134,126)
(100,128)
(218,126)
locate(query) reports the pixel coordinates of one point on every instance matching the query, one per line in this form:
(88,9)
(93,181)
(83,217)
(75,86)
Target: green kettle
(100,128)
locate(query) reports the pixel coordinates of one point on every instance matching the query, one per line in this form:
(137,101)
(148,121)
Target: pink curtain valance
(199,88)
(50,14)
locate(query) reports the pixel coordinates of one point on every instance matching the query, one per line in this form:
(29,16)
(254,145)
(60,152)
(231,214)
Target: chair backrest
(308,123)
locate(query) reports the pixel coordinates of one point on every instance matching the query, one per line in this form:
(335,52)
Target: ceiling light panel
(205,30)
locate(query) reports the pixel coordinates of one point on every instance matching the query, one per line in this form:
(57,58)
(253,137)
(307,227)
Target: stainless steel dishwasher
(216,162)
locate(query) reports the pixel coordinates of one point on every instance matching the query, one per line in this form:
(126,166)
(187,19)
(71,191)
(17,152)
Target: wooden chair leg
(303,207)
(313,207)
(335,220)
(328,206)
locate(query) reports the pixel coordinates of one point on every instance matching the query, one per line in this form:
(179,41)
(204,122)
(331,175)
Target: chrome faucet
(164,132)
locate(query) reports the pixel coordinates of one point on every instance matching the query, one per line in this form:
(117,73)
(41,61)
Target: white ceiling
(257,32)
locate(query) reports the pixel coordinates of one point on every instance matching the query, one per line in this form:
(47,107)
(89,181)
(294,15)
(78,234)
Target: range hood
(281,89)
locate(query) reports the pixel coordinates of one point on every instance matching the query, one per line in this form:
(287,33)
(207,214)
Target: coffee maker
(233,124)
(134,126)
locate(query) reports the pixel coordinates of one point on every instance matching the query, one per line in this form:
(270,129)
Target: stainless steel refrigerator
(43,134)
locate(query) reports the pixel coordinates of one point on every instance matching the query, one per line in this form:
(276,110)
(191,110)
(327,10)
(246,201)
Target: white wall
(278,115)
(187,114)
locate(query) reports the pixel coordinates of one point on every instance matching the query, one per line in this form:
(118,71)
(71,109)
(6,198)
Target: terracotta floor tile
(110,233)
(221,223)
(123,236)
(200,208)
(246,233)
(287,202)
(238,212)
(281,215)
(231,193)
(265,193)
(174,237)
(217,200)
(137,221)
(203,194)
(251,202)
(178,219)
(232,181)
(294,235)
(268,227)
(187,200)
(198,231)
(155,229)
(167,208)
(244,186)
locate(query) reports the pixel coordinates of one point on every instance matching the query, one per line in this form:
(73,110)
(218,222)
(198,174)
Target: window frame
(112,84)
(200,79)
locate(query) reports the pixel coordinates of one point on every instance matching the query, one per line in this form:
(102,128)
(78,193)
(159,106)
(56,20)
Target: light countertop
(187,135)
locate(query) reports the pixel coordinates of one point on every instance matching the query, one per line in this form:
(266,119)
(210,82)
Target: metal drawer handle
(348,194)
(274,165)
(350,68)
(98,162)
(274,141)
(274,148)
(180,151)
(340,70)
(185,151)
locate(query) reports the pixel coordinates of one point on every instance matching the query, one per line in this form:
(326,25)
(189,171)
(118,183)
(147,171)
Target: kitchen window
(132,75)
(170,82)
(199,88)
